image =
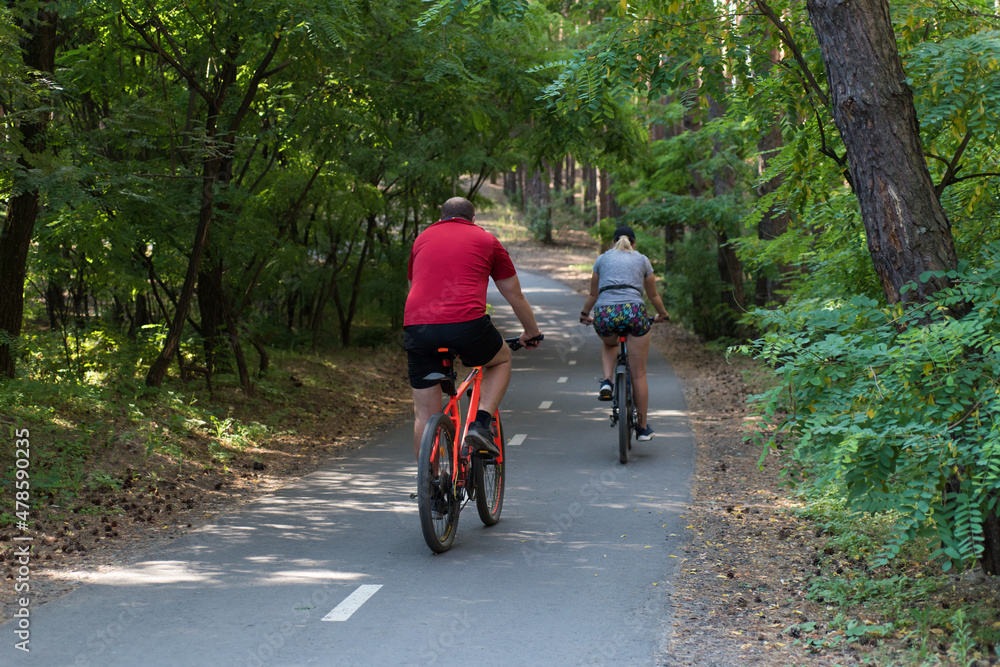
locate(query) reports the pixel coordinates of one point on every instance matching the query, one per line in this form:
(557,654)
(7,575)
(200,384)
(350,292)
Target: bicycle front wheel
(437,504)
(489,477)
(624,406)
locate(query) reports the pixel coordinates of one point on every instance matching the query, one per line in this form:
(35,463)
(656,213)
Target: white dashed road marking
(352,602)
(545,405)
(517,440)
(572,362)
(562,379)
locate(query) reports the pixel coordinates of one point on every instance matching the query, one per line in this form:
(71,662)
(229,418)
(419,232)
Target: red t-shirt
(450,266)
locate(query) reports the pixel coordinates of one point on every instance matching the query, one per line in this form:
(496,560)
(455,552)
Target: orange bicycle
(448,475)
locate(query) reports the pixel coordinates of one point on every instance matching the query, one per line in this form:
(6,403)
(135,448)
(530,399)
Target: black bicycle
(623,411)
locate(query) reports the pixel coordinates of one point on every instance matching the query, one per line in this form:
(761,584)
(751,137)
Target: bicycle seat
(447,378)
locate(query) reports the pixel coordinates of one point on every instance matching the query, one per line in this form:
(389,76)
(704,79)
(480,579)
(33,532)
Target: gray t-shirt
(618,267)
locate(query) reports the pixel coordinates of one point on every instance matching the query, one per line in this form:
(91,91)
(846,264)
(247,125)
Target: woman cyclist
(616,288)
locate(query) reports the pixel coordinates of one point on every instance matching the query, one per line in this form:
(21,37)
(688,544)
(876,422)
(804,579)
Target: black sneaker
(480,438)
(643,434)
(606,390)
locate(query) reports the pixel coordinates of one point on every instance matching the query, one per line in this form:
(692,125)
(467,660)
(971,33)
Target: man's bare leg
(496,378)
(426,403)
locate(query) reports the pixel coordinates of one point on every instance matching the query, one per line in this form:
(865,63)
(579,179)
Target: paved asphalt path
(577,572)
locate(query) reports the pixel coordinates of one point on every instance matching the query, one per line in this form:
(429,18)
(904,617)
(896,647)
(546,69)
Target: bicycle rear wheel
(489,478)
(624,406)
(436,502)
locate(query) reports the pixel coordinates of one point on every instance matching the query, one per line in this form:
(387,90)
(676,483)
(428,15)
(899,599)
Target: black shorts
(477,342)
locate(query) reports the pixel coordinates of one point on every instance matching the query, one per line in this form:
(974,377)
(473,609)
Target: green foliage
(691,293)
(901,406)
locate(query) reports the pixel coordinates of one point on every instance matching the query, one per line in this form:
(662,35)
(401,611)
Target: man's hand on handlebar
(530,341)
(661,318)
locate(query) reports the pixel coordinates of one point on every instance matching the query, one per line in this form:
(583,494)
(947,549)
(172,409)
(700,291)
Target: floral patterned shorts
(632,317)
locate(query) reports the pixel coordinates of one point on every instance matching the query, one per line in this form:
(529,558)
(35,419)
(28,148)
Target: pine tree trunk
(521,185)
(730,267)
(570,181)
(589,193)
(602,194)
(538,205)
(907,229)
(774,223)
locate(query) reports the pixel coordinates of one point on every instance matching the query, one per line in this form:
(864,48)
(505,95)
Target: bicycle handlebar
(515,343)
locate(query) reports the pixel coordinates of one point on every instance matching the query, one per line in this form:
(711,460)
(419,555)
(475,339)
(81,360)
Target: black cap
(624,230)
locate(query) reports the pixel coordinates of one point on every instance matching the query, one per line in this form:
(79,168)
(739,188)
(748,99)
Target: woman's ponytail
(623,244)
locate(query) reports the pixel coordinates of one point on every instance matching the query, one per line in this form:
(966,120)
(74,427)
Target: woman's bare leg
(609,354)
(638,352)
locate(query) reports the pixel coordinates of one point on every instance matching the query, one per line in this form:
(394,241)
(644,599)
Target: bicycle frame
(471,385)
(621,366)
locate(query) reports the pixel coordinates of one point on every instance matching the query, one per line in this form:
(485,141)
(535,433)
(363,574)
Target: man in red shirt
(450,266)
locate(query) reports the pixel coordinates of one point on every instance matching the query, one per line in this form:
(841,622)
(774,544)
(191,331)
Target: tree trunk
(731,273)
(990,559)
(154,378)
(38,53)
(614,208)
(220,146)
(774,223)
(907,229)
(232,327)
(674,229)
(589,193)
(510,182)
(265,358)
(55,303)
(346,312)
(602,194)
(142,316)
(522,185)
(730,267)
(538,205)
(570,181)
(210,308)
